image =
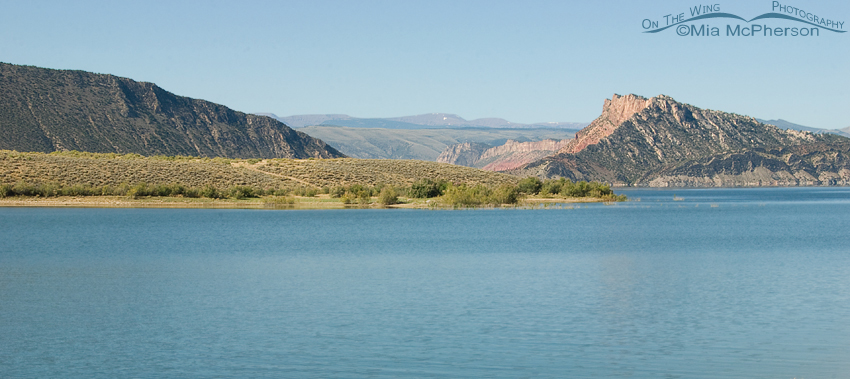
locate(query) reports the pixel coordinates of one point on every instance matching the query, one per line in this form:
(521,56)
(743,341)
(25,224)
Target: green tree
(530,185)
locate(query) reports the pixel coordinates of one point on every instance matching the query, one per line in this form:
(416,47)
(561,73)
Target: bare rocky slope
(47,110)
(511,155)
(661,142)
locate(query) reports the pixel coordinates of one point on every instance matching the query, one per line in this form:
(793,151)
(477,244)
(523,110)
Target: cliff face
(463,154)
(48,110)
(509,156)
(516,154)
(637,140)
(614,112)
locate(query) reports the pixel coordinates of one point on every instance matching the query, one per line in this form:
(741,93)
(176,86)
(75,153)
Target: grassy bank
(125,180)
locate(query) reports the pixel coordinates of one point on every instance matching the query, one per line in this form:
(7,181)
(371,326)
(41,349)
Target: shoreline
(301,203)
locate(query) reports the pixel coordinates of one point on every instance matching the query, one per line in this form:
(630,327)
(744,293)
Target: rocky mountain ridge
(639,141)
(44,110)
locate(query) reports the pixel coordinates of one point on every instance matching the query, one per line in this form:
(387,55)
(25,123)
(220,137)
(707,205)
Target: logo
(804,24)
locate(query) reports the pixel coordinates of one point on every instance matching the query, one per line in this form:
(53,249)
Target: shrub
(553,186)
(388,196)
(306,192)
(505,194)
(240,192)
(337,192)
(463,196)
(530,185)
(211,192)
(426,188)
(6,191)
(364,197)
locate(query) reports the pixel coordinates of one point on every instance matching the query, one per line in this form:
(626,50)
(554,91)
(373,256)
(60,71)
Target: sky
(529,61)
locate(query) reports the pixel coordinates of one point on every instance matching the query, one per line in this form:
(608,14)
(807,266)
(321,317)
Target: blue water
(748,283)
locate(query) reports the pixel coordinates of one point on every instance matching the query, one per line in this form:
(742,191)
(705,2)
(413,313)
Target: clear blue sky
(526,62)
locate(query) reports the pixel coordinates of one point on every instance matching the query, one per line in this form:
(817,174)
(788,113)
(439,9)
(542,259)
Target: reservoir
(698,283)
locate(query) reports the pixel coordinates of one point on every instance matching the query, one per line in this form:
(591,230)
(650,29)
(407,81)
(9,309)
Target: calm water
(720,283)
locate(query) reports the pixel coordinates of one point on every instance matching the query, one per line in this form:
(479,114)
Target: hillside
(421,144)
(97,170)
(639,141)
(59,110)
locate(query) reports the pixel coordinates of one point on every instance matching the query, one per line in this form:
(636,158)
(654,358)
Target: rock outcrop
(463,154)
(614,112)
(509,156)
(46,110)
(660,142)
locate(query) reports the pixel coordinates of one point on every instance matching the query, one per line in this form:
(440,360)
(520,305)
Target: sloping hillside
(58,110)
(96,170)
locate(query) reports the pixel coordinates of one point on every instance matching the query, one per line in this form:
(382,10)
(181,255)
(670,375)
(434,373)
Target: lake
(698,283)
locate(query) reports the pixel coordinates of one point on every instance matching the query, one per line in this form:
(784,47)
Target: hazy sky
(523,61)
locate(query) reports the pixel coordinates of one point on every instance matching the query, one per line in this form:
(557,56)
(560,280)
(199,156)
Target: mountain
(421,144)
(424,121)
(790,125)
(511,155)
(47,110)
(662,142)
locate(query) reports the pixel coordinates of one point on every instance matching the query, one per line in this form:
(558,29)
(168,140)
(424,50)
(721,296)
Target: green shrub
(530,185)
(240,192)
(388,196)
(211,192)
(364,197)
(6,191)
(552,186)
(463,196)
(427,188)
(505,194)
(337,192)
(306,192)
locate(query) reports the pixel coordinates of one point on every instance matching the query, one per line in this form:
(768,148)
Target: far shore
(321,201)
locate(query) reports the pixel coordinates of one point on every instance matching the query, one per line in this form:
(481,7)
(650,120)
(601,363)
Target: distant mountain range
(45,110)
(421,144)
(424,121)
(662,142)
(790,125)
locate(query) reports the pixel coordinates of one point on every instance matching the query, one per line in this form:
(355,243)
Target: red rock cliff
(614,112)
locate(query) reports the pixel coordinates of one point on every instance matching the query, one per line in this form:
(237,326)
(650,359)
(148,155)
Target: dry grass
(95,170)
(369,172)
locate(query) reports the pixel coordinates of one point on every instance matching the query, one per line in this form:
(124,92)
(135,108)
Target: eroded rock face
(515,154)
(636,141)
(614,112)
(463,154)
(509,156)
